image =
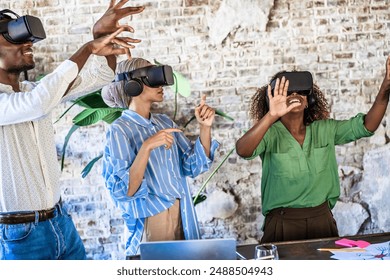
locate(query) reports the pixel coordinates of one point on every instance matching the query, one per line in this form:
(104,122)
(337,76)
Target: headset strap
(3,15)
(7,11)
(3,27)
(137,73)
(122,76)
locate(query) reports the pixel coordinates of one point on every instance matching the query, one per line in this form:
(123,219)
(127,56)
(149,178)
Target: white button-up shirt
(29,170)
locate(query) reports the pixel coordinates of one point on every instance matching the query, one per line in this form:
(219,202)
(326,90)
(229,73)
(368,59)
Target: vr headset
(22,29)
(152,76)
(299,82)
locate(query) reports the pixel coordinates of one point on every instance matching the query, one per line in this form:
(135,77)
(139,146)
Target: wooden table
(307,249)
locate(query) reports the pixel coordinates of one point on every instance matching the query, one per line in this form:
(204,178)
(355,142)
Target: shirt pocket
(280,165)
(321,156)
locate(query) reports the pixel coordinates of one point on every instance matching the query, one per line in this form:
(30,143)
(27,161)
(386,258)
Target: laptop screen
(198,249)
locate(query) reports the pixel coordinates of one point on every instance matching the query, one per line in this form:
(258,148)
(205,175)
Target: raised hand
(109,22)
(162,138)
(278,106)
(204,114)
(111,45)
(375,115)
(386,80)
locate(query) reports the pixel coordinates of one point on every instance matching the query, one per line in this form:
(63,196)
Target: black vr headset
(152,76)
(22,29)
(299,82)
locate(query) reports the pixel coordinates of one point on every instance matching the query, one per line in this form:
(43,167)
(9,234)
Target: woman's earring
(306,106)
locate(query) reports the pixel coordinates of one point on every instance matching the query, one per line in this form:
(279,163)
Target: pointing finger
(203,100)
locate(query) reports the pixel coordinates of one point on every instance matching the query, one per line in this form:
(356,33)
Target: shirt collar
(24,86)
(138,119)
(6,88)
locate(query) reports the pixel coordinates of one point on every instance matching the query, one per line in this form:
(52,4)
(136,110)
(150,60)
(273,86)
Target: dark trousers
(287,224)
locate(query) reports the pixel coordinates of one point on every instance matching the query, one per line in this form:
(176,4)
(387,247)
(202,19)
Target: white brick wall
(343,43)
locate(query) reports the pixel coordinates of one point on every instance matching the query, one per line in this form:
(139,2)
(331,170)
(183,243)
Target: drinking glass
(266,252)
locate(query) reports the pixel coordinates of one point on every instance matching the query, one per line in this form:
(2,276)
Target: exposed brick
(343,43)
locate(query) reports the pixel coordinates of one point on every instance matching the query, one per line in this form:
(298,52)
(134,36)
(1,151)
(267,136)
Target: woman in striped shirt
(146,161)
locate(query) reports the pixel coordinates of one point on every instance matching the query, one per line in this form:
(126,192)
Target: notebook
(198,249)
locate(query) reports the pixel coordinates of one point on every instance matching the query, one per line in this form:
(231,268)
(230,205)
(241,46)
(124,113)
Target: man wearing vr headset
(33,223)
(295,140)
(147,158)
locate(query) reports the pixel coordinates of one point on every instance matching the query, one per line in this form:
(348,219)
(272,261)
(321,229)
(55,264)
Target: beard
(11,66)
(17,69)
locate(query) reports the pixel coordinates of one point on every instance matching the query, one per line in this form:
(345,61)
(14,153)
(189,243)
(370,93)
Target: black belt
(27,217)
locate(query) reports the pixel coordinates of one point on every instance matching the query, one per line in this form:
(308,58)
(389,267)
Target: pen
(342,249)
(240,256)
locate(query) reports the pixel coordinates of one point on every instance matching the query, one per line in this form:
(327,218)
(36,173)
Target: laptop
(197,249)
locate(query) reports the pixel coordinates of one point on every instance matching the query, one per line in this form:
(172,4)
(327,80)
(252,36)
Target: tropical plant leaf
(176,103)
(66,111)
(110,118)
(67,137)
(92,115)
(89,166)
(189,121)
(222,114)
(40,77)
(199,199)
(182,85)
(92,100)
(212,174)
(218,112)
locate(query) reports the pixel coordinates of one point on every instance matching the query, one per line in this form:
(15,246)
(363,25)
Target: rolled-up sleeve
(260,149)
(92,77)
(350,130)
(194,158)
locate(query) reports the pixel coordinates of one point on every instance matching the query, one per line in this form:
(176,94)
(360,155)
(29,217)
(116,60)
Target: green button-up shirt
(304,176)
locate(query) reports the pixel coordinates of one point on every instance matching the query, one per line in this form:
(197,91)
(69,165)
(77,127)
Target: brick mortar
(344,45)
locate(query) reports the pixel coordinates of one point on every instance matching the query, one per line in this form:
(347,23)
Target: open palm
(278,103)
(111,44)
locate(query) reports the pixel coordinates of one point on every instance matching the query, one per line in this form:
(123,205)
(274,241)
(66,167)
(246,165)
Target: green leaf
(222,114)
(182,85)
(39,77)
(92,100)
(67,137)
(176,104)
(93,115)
(212,174)
(110,118)
(89,166)
(66,111)
(190,120)
(218,112)
(199,199)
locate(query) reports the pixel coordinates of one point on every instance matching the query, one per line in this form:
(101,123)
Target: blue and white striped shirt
(165,175)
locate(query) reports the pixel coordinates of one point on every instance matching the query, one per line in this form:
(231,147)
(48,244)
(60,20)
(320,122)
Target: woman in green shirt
(296,140)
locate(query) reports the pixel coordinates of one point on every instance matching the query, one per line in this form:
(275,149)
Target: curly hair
(318,111)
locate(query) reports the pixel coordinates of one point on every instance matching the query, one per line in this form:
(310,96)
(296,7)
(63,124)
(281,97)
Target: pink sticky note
(362,243)
(351,243)
(345,242)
